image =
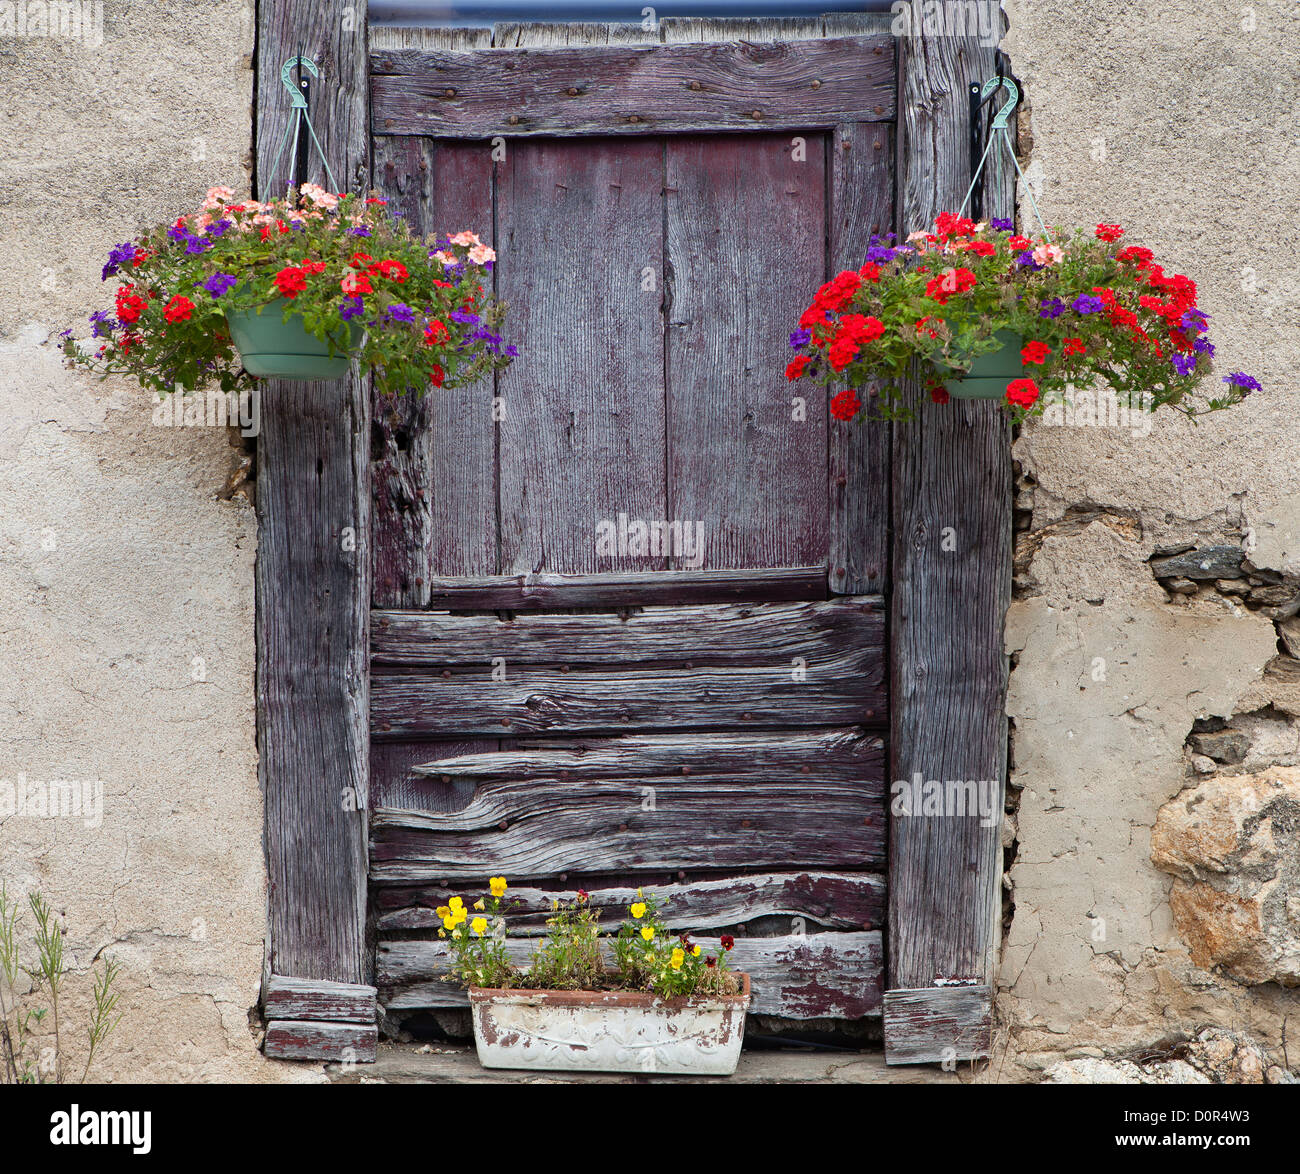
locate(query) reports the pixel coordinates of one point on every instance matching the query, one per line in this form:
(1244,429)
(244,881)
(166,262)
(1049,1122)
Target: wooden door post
(951,586)
(313,597)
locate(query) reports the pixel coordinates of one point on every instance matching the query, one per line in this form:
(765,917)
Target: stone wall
(126,601)
(1157,569)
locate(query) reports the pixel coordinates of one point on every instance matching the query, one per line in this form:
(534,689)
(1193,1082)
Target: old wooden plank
(393,782)
(746,223)
(862,206)
(582,438)
(313,558)
(771,633)
(312,1039)
(951,479)
(838,754)
(434,461)
(628,589)
(933,1025)
(808,900)
(808,976)
(308,998)
(595,826)
(849,689)
(638,89)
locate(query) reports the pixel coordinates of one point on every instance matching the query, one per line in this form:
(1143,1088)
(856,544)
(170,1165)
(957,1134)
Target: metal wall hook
(991,87)
(296,97)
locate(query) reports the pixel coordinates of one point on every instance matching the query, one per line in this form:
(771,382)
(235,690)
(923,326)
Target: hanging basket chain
(300,114)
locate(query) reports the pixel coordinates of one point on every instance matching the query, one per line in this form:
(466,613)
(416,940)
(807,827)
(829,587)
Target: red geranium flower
(843,351)
(291,281)
(796,368)
(1034,352)
(949,282)
(939,394)
(436,332)
(178,309)
(437,376)
(1109,232)
(314,266)
(129,304)
(870,271)
(393,270)
(356,283)
(1022,392)
(982,248)
(843,407)
(1074,346)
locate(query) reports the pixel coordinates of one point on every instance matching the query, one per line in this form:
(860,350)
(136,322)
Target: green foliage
(30,1054)
(569,957)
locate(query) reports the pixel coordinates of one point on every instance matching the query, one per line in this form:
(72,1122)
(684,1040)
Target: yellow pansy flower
(480,904)
(648,932)
(695,951)
(497,885)
(638,910)
(479,925)
(444,912)
(677,959)
(456,903)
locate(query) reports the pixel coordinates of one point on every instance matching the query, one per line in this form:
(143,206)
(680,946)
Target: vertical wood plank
(952,468)
(313,561)
(582,439)
(862,206)
(746,244)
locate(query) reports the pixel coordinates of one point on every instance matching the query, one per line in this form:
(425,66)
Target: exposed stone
(1289,630)
(1272,594)
(1202,765)
(1233,843)
(1232,586)
(1207,563)
(1181,586)
(1090,1071)
(1229,746)
(1214,1056)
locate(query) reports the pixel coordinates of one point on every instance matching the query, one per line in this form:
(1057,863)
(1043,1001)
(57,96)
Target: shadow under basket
(275,349)
(990,373)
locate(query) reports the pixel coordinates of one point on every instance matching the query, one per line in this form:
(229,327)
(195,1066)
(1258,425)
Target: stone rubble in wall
(1214,1056)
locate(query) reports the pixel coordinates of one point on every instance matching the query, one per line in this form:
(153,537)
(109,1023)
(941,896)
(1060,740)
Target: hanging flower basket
(979,311)
(296,288)
(273,344)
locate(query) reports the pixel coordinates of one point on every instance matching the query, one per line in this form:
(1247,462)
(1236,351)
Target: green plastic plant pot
(991,372)
(275,349)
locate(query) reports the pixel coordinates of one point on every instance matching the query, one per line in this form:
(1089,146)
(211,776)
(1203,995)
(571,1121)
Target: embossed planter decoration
(609,1031)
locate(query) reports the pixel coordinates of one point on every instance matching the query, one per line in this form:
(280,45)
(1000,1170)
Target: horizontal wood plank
(310,998)
(636,89)
(626,589)
(930,1025)
(732,634)
(825,900)
(595,826)
(848,690)
(309,1039)
(811,976)
(840,755)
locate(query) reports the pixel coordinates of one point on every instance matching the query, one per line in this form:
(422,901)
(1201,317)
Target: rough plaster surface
(1176,122)
(118,564)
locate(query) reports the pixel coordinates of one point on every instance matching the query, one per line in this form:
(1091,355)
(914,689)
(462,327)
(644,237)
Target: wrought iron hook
(295,95)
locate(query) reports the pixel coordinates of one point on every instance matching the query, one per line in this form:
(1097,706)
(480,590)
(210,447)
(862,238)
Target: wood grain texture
(588,89)
(313,1039)
(746,244)
(594,826)
(305,998)
(731,634)
(312,572)
(583,435)
(862,206)
(822,900)
(628,589)
(811,976)
(951,468)
(532,700)
(931,1025)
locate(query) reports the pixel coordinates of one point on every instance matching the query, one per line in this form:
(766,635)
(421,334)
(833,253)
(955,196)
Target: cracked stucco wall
(119,566)
(1178,122)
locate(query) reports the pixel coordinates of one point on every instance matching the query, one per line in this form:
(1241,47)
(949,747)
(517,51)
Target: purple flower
(118,255)
(1246,382)
(512,350)
(1184,364)
(218,283)
(1203,346)
(219,227)
(1194,320)
(1051,308)
(196,245)
(1086,304)
(1026,260)
(359,230)
(461,316)
(351,308)
(800,338)
(102,324)
(401,312)
(66,333)
(880,255)
(298,225)
(1002,225)
(178,232)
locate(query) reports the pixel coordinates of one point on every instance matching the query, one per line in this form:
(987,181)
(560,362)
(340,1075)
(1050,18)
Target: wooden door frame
(949,469)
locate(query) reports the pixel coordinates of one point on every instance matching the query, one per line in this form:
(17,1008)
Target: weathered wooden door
(628,622)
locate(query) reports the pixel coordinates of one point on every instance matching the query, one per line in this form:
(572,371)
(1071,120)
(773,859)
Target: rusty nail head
(839,572)
(513,120)
(622,827)
(744,823)
(448,93)
(388,122)
(816,84)
(871,713)
(876,145)
(686,770)
(757,114)
(681,874)
(572,91)
(880,110)
(503,825)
